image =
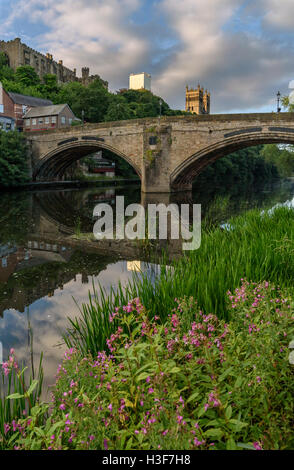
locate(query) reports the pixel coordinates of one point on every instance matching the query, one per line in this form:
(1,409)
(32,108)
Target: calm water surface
(43,274)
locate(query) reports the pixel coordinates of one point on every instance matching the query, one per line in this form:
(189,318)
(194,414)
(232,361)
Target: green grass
(258,247)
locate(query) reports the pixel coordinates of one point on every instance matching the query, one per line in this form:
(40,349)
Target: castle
(197,101)
(19,54)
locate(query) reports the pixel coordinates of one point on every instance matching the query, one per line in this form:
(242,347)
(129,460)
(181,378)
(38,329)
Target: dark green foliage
(27,76)
(97,103)
(280,156)
(93,100)
(13,159)
(245,166)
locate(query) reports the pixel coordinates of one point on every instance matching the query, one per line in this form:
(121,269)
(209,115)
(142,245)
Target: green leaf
(32,387)
(175,370)
(142,376)
(231,444)
(192,397)
(129,444)
(229,412)
(225,374)
(14,396)
(39,432)
(245,446)
(238,382)
(214,433)
(238,424)
(55,426)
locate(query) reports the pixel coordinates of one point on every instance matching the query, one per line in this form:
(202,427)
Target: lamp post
(278,100)
(83,117)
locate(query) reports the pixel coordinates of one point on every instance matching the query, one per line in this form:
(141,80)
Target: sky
(241,51)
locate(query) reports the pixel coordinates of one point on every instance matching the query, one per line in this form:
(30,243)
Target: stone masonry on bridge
(166,153)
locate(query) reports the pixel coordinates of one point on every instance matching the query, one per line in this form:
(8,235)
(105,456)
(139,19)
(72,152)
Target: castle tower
(85,76)
(197,102)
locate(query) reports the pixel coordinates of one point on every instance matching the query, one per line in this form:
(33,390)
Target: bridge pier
(157,141)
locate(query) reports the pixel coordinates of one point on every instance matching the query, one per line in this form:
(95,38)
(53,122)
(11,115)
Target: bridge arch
(185,173)
(54,164)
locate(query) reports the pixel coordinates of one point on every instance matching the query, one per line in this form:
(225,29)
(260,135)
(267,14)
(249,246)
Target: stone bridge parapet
(167,153)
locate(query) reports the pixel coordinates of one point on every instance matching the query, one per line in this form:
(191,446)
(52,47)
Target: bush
(13,159)
(205,385)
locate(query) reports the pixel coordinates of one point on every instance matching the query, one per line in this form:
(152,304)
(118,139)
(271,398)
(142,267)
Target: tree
(93,100)
(50,84)
(119,111)
(281,156)
(5,71)
(27,76)
(13,159)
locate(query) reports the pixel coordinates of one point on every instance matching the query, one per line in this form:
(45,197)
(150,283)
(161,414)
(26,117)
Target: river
(46,268)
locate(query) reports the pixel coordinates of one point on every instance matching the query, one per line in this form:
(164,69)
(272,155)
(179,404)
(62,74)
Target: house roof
(42,111)
(32,101)
(6,117)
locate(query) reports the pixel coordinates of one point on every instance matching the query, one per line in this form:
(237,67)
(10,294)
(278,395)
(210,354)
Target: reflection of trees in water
(15,216)
(32,283)
(220,203)
(75,208)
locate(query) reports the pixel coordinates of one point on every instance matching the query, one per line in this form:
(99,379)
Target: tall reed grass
(256,246)
(25,393)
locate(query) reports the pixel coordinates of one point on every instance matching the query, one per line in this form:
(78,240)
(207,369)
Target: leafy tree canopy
(13,159)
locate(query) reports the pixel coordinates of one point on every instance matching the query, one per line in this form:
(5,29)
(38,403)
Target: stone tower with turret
(197,101)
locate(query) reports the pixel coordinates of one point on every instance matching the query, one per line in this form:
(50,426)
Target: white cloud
(242,69)
(230,46)
(87,32)
(279,13)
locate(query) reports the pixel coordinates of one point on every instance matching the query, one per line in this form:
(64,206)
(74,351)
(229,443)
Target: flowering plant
(200,384)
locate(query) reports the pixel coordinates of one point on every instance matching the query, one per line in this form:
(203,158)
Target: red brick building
(22,104)
(7,120)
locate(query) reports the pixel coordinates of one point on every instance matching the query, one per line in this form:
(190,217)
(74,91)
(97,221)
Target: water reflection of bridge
(39,269)
(62,216)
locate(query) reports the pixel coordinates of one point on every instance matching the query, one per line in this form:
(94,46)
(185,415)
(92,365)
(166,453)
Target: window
(153,140)
(28,122)
(8,126)
(47,120)
(34,122)
(4,262)
(24,109)
(63,120)
(1,108)
(70,121)
(41,120)
(53,119)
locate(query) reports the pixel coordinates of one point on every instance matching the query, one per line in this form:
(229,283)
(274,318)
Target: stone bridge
(167,153)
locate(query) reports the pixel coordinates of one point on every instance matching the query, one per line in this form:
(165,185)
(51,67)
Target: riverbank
(192,382)
(257,246)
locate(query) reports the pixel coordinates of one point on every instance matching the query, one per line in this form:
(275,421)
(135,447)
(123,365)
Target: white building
(139,81)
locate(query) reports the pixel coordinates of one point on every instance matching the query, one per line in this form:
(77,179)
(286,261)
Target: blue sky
(242,51)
